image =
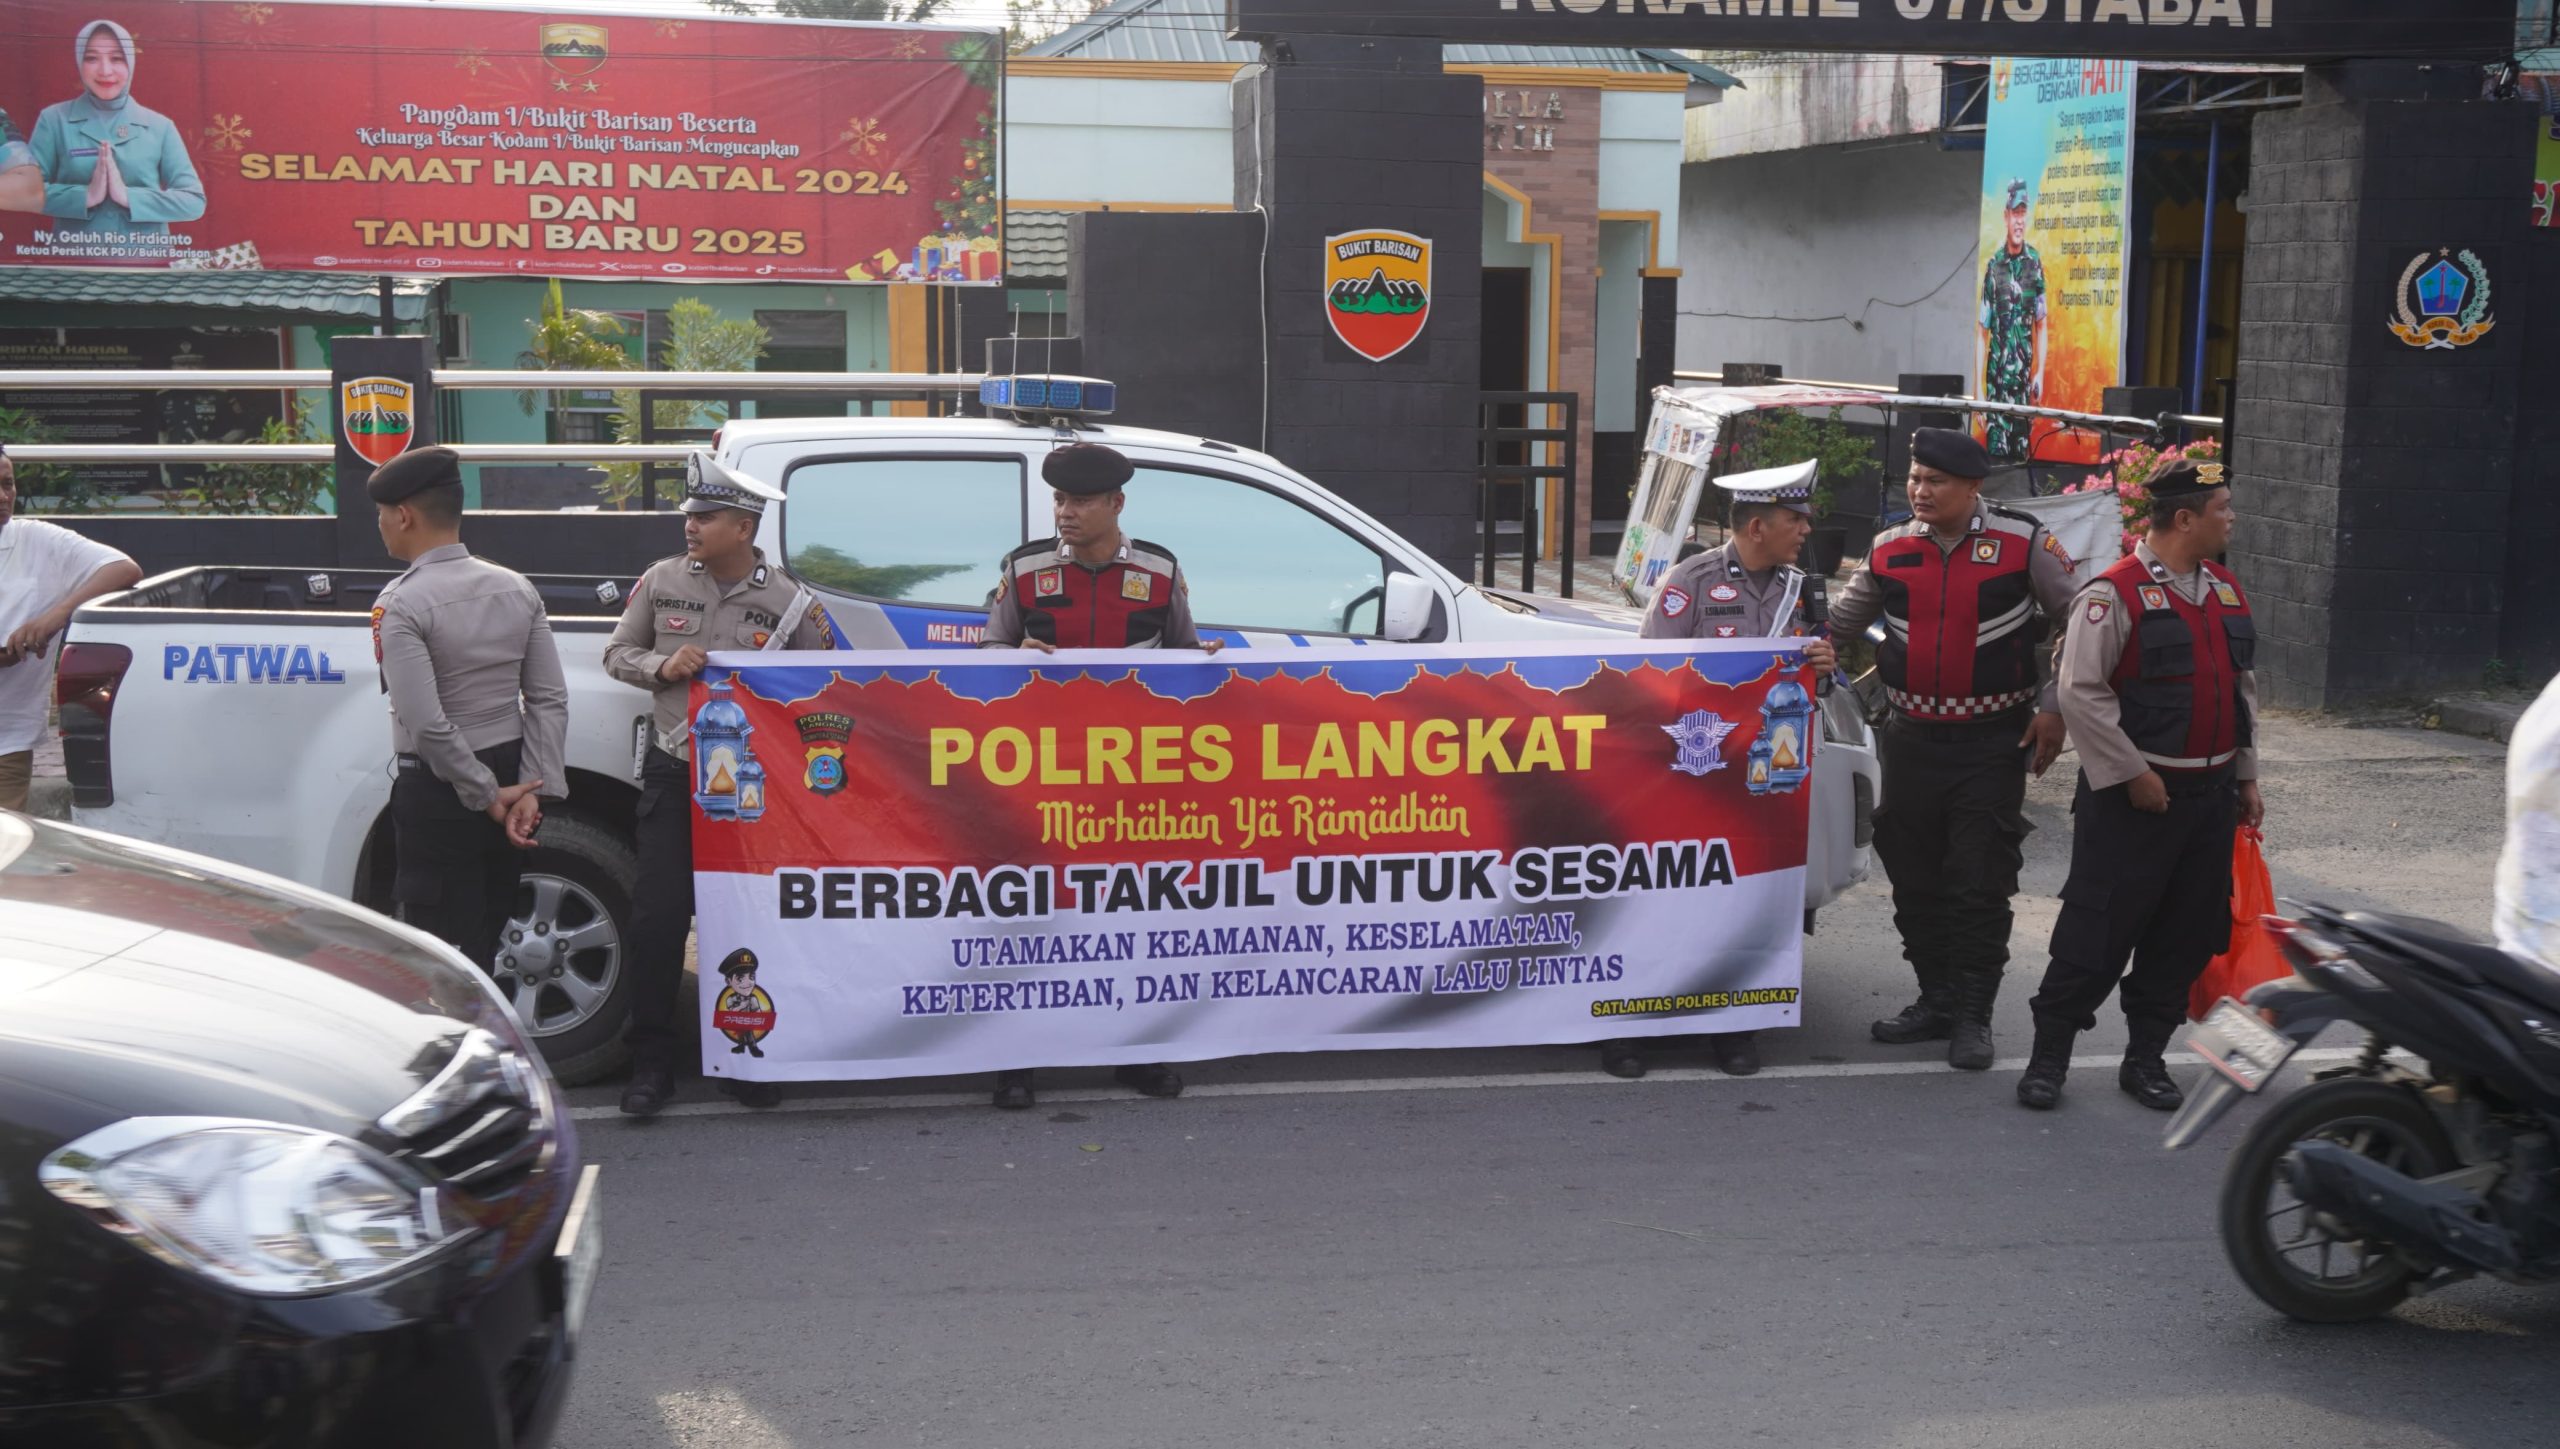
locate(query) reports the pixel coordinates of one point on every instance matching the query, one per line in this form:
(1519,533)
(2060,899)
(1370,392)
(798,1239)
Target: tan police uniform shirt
(467,658)
(2048,575)
(1712,596)
(2085,662)
(677,602)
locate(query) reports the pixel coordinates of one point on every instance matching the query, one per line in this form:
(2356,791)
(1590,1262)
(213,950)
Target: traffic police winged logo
(1699,736)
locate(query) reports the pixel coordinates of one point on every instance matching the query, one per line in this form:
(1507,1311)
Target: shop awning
(225,291)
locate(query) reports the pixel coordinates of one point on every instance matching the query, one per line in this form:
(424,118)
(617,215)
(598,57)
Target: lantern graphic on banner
(1783,755)
(722,760)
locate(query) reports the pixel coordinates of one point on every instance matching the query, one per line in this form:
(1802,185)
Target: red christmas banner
(991,862)
(433,139)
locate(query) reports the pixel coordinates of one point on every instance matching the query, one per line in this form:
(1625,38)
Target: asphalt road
(1858,1248)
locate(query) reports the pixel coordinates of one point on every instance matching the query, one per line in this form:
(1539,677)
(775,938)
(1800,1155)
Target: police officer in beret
(1748,587)
(1091,587)
(2157,684)
(479,710)
(721,593)
(1964,591)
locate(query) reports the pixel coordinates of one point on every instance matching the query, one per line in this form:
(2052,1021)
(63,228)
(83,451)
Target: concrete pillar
(2374,478)
(1336,136)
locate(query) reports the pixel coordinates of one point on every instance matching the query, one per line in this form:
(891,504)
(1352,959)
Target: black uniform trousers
(662,908)
(1951,834)
(456,876)
(2154,888)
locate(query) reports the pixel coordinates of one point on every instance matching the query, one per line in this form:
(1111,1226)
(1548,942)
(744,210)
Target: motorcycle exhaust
(2444,1224)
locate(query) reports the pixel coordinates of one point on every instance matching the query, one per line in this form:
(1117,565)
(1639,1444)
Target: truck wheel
(564,958)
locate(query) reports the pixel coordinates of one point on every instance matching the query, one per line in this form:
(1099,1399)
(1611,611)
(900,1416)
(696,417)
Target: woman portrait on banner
(112,164)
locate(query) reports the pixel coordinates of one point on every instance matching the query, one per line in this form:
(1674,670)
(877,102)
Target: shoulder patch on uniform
(2053,545)
(1675,602)
(2095,611)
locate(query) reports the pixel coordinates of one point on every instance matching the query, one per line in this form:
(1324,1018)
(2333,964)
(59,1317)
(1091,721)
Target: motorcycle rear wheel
(2280,1247)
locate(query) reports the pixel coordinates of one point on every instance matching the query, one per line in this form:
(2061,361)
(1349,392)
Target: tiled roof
(246,291)
(1185,30)
(1035,243)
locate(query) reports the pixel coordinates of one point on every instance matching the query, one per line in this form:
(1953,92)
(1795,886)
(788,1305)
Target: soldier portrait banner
(454,140)
(2057,190)
(1005,860)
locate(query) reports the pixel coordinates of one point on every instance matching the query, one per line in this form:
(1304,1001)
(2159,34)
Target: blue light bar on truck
(1048,396)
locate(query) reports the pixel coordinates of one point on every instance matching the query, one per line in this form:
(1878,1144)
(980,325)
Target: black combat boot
(2047,1064)
(1153,1080)
(753,1094)
(1013,1090)
(2144,1076)
(1736,1053)
(1930,1018)
(1969,1044)
(652,1085)
(1622,1059)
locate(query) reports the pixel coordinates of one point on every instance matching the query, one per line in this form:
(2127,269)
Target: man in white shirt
(2528,899)
(45,572)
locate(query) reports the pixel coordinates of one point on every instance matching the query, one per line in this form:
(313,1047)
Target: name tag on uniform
(1140,587)
(676,623)
(1050,582)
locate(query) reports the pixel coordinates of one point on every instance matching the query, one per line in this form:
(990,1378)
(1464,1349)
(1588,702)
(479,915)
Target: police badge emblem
(1050,583)
(2229,596)
(1986,550)
(1675,602)
(1698,737)
(1137,586)
(2154,597)
(824,736)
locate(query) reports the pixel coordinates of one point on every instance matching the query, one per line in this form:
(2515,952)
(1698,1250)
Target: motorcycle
(2381,1179)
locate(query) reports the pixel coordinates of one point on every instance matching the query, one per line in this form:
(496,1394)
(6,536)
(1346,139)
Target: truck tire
(564,958)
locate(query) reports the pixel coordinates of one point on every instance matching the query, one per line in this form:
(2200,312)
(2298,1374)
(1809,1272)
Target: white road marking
(934,1101)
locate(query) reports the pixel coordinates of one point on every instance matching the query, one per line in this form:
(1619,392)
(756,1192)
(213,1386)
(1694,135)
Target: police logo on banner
(1377,290)
(379,415)
(824,736)
(1698,737)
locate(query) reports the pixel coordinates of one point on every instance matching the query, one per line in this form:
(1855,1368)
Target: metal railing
(1496,439)
(2111,422)
(77,379)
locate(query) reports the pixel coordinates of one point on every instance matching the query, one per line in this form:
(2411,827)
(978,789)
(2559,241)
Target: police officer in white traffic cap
(1747,587)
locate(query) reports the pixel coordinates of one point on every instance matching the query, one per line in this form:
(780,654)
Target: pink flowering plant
(2129,474)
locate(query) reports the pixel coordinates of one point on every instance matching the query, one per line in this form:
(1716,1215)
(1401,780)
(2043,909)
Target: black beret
(412,473)
(1951,451)
(738,962)
(1085,469)
(2188,478)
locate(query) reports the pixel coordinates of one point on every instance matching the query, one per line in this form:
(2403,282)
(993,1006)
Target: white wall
(1640,152)
(1075,139)
(1618,325)
(1824,100)
(1848,265)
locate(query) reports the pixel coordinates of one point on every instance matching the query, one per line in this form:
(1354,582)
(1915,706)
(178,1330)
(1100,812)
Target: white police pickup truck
(234,712)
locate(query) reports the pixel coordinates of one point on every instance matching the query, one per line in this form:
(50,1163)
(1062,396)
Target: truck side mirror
(1407,608)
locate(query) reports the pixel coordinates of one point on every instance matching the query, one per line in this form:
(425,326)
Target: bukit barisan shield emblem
(1377,290)
(381,416)
(574,50)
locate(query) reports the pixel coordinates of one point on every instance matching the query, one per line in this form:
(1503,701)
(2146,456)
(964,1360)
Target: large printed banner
(443,139)
(2056,190)
(993,861)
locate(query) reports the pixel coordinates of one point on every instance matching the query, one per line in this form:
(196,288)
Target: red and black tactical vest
(1123,605)
(1960,625)
(2178,681)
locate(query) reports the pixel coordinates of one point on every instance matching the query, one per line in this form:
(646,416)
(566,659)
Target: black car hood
(137,981)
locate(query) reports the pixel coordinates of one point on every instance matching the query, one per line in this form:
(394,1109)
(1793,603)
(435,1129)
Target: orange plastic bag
(2253,959)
